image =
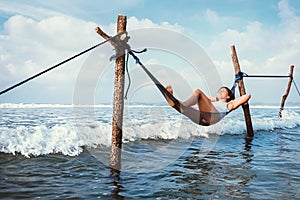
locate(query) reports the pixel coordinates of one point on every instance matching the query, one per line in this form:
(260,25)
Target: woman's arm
(234,104)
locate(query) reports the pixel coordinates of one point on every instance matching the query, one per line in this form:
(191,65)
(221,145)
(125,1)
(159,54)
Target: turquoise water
(58,152)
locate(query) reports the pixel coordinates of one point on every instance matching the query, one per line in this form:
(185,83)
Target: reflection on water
(220,174)
(266,167)
(116,186)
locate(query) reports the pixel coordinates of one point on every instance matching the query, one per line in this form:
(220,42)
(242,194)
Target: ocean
(57,151)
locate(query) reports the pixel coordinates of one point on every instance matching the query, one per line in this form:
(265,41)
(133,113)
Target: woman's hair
(230,94)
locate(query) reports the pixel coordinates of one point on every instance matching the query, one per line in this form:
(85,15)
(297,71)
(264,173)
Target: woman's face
(223,94)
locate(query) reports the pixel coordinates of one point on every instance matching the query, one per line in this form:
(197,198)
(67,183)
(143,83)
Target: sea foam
(68,134)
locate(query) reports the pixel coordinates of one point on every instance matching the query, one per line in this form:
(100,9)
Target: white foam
(290,119)
(40,140)
(21,105)
(64,136)
(174,129)
(24,105)
(273,107)
(69,139)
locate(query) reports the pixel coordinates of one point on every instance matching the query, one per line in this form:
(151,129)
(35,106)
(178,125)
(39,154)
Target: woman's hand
(234,104)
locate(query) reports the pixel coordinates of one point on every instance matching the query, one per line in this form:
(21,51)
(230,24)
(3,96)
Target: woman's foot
(170,90)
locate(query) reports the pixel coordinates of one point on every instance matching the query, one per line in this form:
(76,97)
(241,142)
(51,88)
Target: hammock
(197,116)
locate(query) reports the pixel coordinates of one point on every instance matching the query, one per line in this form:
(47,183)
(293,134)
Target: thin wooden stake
(118,103)
(287,91)
(242,90)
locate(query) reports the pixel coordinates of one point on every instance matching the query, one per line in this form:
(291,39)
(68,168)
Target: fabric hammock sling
(197,116)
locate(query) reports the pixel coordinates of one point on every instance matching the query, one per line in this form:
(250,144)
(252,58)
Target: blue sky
(37,34)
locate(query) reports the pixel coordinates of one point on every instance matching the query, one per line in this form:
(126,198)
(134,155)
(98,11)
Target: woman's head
(225,94)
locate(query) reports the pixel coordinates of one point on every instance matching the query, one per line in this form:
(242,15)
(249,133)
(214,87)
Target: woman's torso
(221,106)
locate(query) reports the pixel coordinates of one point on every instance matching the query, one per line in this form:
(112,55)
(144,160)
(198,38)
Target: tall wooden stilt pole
(118,103)
(284,97)
(242,90)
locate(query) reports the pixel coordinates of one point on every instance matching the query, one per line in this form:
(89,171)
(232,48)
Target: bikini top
(221,106)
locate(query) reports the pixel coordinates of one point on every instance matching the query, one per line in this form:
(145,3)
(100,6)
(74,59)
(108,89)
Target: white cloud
(285,11)
(135,23)
(263,44)
(36,44)
(36,37)
(212,16)
(262,49)
(25,9)
(29,46)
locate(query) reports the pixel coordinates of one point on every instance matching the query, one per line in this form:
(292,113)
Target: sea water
(63,151)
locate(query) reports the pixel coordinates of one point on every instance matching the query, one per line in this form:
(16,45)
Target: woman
(212,109)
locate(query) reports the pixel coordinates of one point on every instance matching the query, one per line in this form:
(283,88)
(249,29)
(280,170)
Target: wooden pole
(118,103)
(242,90)
(284,97)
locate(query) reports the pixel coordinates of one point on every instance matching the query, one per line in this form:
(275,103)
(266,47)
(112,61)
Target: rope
(128,75)
(57,65)
(266,76)
(127,70)
(155,80)
(240,75)
(296,87)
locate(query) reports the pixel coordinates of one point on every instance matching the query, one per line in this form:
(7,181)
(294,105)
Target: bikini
(221,106)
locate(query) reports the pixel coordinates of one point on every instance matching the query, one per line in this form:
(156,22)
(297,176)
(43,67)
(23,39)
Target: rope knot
(120,44)
(239,76)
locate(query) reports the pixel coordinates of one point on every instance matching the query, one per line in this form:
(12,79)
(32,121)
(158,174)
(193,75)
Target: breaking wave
(49,129)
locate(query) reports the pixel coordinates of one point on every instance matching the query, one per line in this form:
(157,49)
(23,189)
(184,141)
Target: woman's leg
(192,100)
(207,111)
(204,103)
